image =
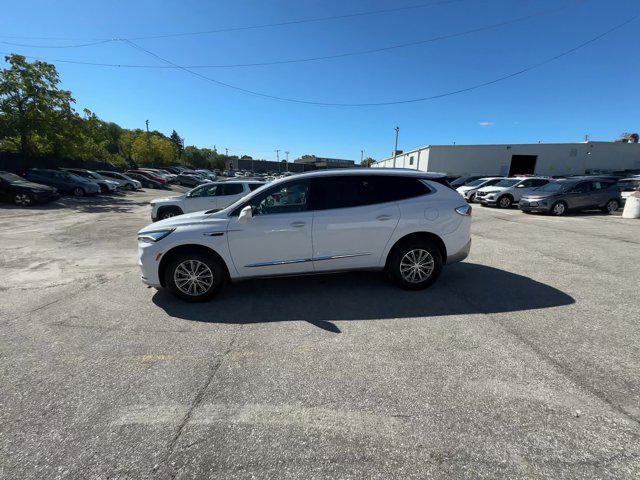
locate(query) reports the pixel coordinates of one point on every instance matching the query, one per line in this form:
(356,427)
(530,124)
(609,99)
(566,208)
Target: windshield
(551,187)
(507,182)
(11,177)
(475,183)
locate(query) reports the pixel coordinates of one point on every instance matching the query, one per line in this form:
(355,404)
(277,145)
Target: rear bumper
(460,255)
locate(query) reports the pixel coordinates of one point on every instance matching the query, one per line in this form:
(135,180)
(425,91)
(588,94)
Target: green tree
(32,106)
(154,150)
(178,143)
(367,162)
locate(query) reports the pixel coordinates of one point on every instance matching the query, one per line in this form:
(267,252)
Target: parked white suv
(210,196)
(469,190)
(405,222)
(509,191)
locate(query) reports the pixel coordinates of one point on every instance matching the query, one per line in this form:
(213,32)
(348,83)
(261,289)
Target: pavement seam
(197,401)
(556,365)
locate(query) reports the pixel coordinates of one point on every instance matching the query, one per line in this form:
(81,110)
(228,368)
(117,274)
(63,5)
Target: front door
(201,198)
(277,239)
(580,195)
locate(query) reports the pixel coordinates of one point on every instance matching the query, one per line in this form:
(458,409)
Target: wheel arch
(188,248)
(419,236)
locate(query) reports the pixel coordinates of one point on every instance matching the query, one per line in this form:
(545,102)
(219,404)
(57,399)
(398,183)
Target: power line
(395,102)
(343,54)
(91,44)
(269,25)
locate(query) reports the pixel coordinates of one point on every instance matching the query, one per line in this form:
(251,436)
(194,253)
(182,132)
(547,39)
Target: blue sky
(592,91)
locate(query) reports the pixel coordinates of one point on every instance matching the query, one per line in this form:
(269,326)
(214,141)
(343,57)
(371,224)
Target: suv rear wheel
(415,265)
(611,206)
(194,277)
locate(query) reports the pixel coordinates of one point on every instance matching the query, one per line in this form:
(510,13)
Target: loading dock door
(523,165)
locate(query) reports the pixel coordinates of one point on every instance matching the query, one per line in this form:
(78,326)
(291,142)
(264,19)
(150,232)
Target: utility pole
(361,156)
(278,159)
(146,122)
(395,149)
(286,163)
(226,152)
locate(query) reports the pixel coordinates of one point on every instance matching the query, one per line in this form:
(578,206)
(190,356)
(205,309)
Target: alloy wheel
(612,206)
(416,265)
(504,202)
(22,200)
(559,208)
(78,192)
(193,277)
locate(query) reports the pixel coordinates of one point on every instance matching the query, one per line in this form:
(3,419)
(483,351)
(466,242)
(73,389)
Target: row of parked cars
(555,196)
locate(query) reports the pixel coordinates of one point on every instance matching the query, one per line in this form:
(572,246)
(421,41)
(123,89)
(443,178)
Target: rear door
(601,193)
(354,217)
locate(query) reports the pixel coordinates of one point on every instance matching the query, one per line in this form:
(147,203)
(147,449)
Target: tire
(23,200)
(79,192)
(558,209)
(402,257)
(169,212)
(472,198)
(104,189)
(504,202)
(128,186)
(208,267)
(611,206)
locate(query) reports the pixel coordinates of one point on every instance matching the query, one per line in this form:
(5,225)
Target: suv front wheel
(415,265)
(194,277)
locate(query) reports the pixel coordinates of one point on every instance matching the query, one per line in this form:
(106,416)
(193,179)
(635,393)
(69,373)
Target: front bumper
(535,206)
(149,260)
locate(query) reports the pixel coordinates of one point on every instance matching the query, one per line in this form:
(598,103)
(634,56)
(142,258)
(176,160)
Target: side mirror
(246,214)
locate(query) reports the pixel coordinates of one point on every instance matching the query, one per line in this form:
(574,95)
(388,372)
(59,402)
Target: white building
(503,160)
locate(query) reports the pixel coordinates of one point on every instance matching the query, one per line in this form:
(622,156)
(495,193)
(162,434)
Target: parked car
(24,193)
(190,180)
(561,196)
(168,176)
(465,180)
(207,174)
(63,181)
(106,185)
(125,182)
(151,176)
(627,186)
(407,223)
(210,196)
(509,191)
(468,191)
(146,182)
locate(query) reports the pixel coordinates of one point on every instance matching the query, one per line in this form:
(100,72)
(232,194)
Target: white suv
(508,191)
(210,196)
(407,223)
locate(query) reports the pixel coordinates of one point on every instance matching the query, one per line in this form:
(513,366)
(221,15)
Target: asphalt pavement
(521,362)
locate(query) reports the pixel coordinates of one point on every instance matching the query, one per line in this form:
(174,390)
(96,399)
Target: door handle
(383,218)
(298,224)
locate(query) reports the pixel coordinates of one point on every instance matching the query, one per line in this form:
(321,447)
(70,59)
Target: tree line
(38,119)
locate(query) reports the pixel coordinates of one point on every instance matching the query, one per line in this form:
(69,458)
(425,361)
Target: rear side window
(254,186)
(601,185)
(344,191)
(230,189)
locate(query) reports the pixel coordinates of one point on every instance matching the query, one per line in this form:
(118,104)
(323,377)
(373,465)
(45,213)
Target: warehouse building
(521,159)
(303,164)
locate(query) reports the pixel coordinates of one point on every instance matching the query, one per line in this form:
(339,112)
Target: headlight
(490,192)
(156,236)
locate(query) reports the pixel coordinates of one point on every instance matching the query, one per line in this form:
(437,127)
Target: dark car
(145,181)
(582,193)
(188,180)
(106,185)
(24,193)
(63,181)
(149,175)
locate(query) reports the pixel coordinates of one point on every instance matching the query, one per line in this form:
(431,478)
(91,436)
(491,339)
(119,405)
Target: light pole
(286,163)
(395,149)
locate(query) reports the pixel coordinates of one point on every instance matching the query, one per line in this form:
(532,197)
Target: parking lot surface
(521,362)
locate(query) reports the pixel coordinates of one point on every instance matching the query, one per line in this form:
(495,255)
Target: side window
(600,185)
(526,184)
(410,160)
(197,192)
(583,187)
(288,198)
(254,186)
(229,189)
(540,182)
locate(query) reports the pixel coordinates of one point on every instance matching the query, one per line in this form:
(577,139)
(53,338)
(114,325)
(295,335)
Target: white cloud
(486,124)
